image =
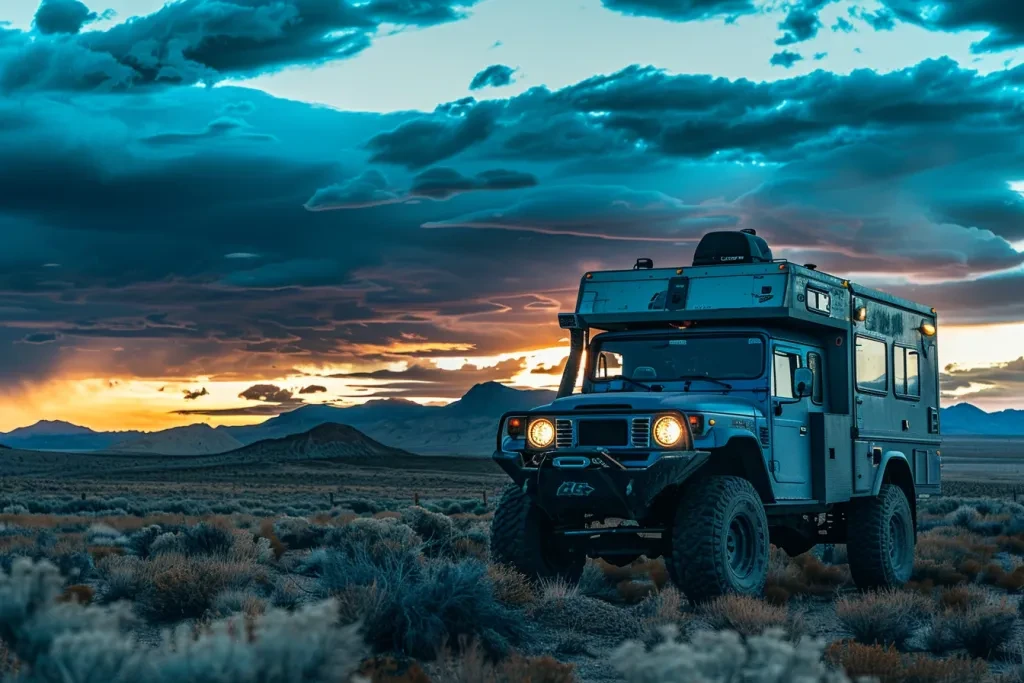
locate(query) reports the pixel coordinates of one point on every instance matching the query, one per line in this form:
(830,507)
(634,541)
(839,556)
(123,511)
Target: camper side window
(906,372)
(872,368)
(814,363)
(782,374)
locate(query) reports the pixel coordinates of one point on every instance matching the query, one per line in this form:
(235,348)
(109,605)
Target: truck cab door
(791,443)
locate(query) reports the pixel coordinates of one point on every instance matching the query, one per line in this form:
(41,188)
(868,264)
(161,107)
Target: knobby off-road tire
(880,536)
(719,540)
(522,537)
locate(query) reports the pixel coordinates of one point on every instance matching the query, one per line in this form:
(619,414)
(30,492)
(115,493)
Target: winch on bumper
(569,483)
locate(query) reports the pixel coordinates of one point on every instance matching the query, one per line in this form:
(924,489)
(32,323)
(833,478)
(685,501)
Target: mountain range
(464,427)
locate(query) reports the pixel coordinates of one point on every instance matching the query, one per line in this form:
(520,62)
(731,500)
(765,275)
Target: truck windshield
(667,359)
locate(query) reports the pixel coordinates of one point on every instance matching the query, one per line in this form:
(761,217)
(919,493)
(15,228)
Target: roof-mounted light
(927,329)
(860,314)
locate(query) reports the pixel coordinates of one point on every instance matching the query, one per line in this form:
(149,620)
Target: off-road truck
(724,406)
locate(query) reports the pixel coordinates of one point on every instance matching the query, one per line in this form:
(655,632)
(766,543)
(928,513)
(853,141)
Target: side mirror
(803,381)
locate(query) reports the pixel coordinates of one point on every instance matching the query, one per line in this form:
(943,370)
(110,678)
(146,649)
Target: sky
(220,210)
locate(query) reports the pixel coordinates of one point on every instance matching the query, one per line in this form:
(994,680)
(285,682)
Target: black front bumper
(603,486)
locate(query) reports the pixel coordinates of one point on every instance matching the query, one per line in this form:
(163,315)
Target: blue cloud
(62,16)
(494,76)
(203,41)
(785,59)
(683,10)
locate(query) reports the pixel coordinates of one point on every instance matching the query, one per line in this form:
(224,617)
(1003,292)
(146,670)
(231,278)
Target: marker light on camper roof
(927,329)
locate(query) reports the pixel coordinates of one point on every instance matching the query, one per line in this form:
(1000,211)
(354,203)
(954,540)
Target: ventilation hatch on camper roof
(744,246)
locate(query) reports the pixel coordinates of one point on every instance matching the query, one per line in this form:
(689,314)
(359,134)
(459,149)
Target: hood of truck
(657,400)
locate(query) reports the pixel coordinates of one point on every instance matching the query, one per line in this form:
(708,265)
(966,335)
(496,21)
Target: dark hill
(324,442)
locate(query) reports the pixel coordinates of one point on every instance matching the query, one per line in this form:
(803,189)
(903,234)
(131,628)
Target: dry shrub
(745,615)
(99,552)
(939,574)
(982,630)
(961,598)
(776,595)
(558,589)
(1011,544)
(819,575)
(954,549)
(612,572)
(386,669)
(803,575)
(510,586)
(181,587)
(1012,581)
(388,514)
(663,607)
(925,587)
(633,592)
(474,667)
(79,592)
(883,617)
(887,665)
(8,543)
(267,532)
(465,546)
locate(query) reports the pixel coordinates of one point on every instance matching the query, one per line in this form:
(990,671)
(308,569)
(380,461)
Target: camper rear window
(872,369)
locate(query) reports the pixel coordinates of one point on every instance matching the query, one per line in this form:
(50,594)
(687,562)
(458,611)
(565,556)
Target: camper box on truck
(724,405)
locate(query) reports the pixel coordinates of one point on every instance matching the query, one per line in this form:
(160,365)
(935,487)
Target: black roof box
(743,246)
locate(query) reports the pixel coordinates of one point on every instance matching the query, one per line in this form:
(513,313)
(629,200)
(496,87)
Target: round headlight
(667,430)
(541,433)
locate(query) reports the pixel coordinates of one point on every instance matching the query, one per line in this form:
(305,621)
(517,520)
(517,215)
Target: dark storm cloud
(427,140)
(371,188)
(62,16)
(843,25)
(605,212)
(494,76)
(801,22)
(205,41)
(442,183)
(904,172)
(313,389)
(1004,21)
(41,338)
(428,380)
(682,10)
(268,393)
(881,20)
(1002,380)
(785,59)
(222,127)
(193,395)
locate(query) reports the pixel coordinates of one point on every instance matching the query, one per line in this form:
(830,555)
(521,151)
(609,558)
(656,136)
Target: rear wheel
(719,540)
(522,536)
(880,536)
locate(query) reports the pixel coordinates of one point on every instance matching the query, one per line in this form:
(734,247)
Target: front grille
(640,434)
(563,433)
(602,433)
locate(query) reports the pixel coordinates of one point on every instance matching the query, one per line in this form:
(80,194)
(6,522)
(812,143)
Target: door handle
(803,430)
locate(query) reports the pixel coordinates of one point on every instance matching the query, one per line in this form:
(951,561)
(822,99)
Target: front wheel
(880,536)
(719,540)
(522,537)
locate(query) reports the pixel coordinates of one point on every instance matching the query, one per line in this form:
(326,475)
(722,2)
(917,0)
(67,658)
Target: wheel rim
(739,546)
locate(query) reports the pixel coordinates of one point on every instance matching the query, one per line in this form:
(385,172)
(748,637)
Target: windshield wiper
(690,378)
(636,383)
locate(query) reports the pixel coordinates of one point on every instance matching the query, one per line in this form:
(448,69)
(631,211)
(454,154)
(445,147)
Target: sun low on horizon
(212,212)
